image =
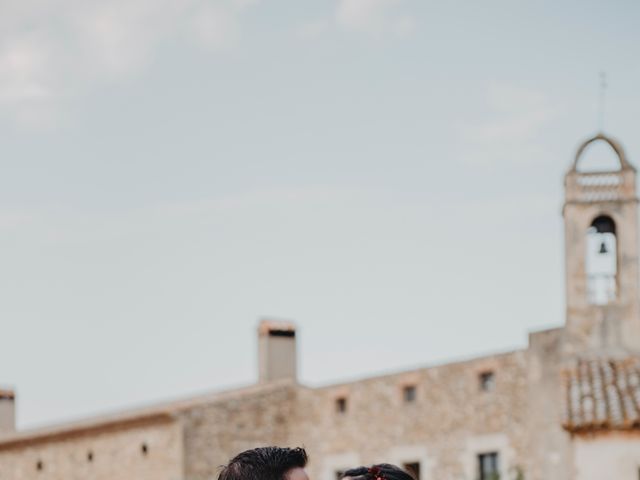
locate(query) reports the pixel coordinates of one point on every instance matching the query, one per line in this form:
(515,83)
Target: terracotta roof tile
(602,393)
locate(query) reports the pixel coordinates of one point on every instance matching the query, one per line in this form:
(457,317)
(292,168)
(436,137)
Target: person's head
(267,463)
(381,471)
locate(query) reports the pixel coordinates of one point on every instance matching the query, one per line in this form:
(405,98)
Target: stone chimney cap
(6,394)
(267,326)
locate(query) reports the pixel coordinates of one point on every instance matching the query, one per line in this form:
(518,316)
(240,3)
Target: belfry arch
(600,138)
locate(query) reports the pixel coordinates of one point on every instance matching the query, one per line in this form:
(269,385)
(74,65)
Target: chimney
(276,351)
(7,411)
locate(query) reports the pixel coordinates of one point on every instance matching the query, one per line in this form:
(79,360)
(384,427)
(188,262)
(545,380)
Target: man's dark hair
(266,463)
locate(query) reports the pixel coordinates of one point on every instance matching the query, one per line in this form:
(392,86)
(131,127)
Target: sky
(385,173)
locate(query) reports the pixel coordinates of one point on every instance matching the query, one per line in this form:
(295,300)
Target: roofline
(168,411)
(82,428)
(604,427)
(161,413)
(549,328)
(395,373)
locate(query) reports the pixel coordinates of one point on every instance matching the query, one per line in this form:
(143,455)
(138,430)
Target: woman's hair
(381,471)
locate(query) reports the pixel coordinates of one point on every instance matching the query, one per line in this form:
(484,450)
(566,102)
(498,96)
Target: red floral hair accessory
(376,473)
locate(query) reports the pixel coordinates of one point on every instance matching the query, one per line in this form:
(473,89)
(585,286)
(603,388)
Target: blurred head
(381,471)
(267,463)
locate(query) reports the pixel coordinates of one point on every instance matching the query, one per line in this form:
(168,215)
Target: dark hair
(266,463)
(383,471)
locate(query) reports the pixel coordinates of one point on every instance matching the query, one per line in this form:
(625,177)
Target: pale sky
(386,173)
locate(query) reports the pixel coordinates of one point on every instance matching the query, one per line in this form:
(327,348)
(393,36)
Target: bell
(603,248)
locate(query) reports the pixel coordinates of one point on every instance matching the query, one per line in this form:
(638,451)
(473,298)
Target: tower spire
(601,100)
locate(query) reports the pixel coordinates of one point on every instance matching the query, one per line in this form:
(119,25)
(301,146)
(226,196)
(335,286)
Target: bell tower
(601,254)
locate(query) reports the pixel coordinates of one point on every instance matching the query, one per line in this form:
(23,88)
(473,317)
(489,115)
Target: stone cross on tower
(601,255)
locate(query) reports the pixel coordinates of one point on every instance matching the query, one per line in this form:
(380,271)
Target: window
(413,468)
(90,456)
(488,466)
(487,381)
(341,404)
(39,465)
(409,393)
(144,448)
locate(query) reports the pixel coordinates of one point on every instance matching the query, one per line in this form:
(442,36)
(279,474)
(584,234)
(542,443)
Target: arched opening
(600,154)
(599,157)
(601,261)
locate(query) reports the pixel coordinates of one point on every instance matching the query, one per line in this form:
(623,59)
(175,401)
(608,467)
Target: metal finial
(601,99)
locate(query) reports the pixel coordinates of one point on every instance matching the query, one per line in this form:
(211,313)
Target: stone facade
(513,413)
(216,430)
(149,448)
(456,412)
(450,420)
(607,455)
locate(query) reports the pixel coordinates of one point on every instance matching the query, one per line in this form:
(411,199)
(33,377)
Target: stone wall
(449,420)
(216,431)
(449,423)
(612,455)
(550,444)
(138,450)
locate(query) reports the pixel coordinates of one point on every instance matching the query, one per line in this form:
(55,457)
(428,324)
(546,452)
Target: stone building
(567,407)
